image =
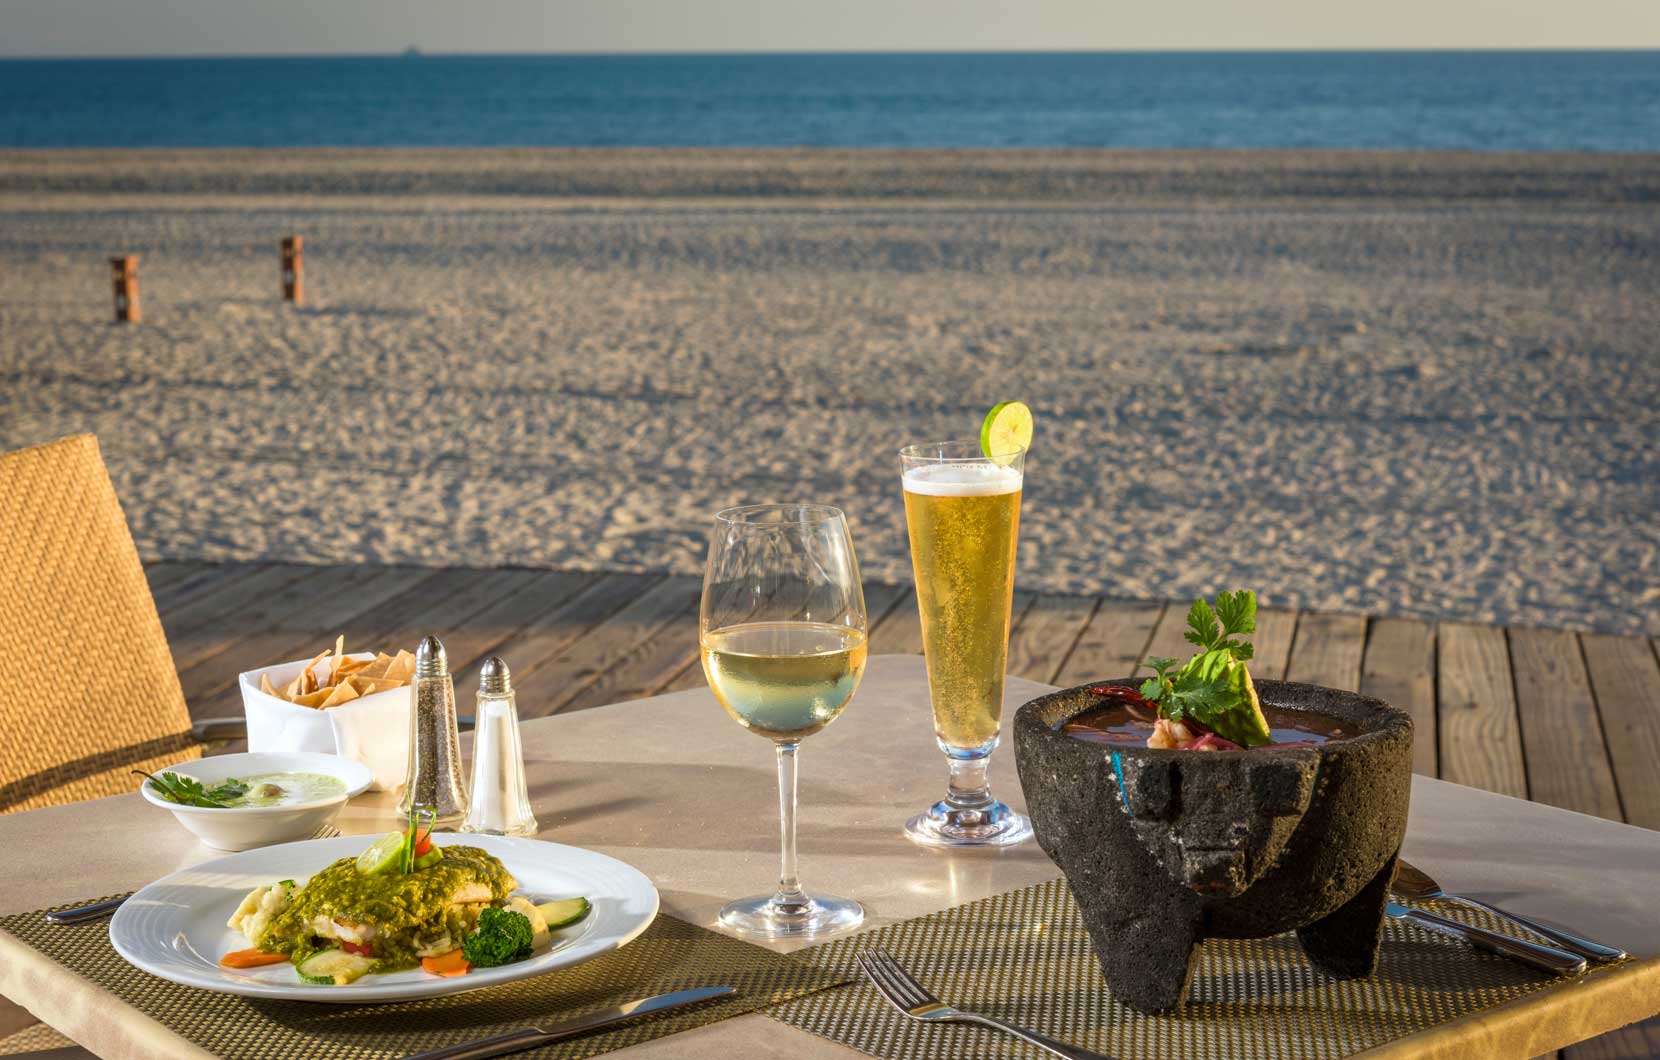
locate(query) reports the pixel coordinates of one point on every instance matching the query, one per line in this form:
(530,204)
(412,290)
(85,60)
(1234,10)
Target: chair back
(88,692)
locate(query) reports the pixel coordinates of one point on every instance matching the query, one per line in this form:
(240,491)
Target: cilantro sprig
(1214,687)
(188,791)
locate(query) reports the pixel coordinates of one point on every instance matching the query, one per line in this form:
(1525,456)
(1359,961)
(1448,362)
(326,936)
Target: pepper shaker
(500,801)
(434,783)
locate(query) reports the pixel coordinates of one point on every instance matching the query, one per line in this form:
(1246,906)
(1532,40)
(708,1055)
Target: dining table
(674,787)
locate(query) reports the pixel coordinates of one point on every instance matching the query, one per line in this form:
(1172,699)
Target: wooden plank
(1562,744)
(441,606)
(1112,644)
(1480,741)
(900,631)
(163,573)
(1168,640)
(210,686)
(545,636)
(532,594)
(643,669)
(1276,631)
(1045,634)
(880,600)
(583,667)
(204,615)
(206,578)
(250,606)
(1626,682)
(1327,650)
(1399,668)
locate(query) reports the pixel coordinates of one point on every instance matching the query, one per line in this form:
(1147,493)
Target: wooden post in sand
(124,270)
(293,270)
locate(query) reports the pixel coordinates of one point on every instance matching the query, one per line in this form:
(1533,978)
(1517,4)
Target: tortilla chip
(403,667)
(293,689)
(338,694)
(308,679)
(368,686)
(339,653)
(313,699)
(347,666)
(376,667)
(266,686)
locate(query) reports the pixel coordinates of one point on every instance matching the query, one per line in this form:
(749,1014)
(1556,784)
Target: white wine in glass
(782,632)
(784,680)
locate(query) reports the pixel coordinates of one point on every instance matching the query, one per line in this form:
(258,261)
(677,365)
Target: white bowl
(246,827)
(373,729)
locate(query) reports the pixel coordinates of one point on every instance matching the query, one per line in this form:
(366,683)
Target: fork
(910,997)
(82,913)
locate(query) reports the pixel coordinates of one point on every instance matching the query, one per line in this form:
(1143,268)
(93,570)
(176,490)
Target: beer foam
(962,480)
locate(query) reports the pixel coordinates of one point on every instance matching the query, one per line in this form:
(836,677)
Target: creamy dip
(282,789)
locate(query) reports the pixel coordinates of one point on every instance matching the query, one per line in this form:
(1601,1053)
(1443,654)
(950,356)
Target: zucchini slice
(334,966)
(564,912)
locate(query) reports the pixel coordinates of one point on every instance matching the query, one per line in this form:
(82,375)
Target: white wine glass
(782,633)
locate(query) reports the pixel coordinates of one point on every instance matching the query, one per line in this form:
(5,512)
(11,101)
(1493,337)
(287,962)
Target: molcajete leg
(1146,962)
(1345,943)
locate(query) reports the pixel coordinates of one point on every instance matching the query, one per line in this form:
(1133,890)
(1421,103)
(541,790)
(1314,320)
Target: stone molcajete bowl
(1165,848)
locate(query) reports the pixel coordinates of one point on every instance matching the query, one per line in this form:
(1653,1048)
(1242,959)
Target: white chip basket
(372,729)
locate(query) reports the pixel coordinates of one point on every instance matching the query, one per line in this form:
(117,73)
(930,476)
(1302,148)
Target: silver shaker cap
(430,660)
(493,677)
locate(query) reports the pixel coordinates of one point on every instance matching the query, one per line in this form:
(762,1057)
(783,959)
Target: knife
(85,912)
(1545,958)
(527,1037)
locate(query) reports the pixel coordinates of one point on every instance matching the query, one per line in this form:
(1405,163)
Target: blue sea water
(1551,101)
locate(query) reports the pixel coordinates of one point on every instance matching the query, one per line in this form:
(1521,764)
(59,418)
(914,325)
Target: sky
(266,27)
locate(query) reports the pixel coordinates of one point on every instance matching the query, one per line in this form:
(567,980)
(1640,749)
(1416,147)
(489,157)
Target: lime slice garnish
(1007,430)
(383,855)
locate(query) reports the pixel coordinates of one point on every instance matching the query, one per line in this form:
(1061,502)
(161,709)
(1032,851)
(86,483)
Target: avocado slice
(1244,724)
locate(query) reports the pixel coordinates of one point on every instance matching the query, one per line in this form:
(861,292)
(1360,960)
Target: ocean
(1483,101)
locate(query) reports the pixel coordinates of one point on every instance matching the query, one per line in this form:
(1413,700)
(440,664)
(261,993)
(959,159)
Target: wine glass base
(943,825)
(821,914)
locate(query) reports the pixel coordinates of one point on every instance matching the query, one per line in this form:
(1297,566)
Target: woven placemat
(1024,956)
(671,955)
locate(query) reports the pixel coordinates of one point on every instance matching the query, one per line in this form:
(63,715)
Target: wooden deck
(1568,719)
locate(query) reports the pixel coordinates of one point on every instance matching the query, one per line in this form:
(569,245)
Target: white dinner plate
(175,927)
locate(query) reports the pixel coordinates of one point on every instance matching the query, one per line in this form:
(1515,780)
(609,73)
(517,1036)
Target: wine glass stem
(968,788)
(790,898)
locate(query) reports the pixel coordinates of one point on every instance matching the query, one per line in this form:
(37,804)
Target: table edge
(1538,1024)
(42,986)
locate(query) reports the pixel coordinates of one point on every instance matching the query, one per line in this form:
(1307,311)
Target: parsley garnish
(1214,687)
(188,791)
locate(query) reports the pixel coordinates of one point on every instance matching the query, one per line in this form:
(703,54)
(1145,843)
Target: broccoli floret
(503,937)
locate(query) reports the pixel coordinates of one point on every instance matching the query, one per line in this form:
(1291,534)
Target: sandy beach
(1410,384)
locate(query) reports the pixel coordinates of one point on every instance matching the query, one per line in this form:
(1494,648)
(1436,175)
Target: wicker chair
(88,692)
(87,686)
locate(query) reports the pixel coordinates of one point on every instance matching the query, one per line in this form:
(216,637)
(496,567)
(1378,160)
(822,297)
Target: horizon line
(732,53)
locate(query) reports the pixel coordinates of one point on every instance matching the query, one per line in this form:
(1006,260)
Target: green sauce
(281,789)
(408,911)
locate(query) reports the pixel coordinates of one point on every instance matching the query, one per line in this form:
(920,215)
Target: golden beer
(964,522)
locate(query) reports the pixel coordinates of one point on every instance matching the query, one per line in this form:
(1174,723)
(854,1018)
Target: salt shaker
(500,803)
(434,783)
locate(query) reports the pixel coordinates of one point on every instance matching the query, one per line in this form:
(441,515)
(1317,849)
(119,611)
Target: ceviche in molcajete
(404,903)
(1208,703)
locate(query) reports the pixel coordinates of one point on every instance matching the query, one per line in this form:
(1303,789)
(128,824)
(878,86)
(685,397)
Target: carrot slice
(448,964)
(251,958)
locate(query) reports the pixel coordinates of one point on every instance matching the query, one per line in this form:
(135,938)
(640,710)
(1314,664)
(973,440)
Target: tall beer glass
(963,512)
